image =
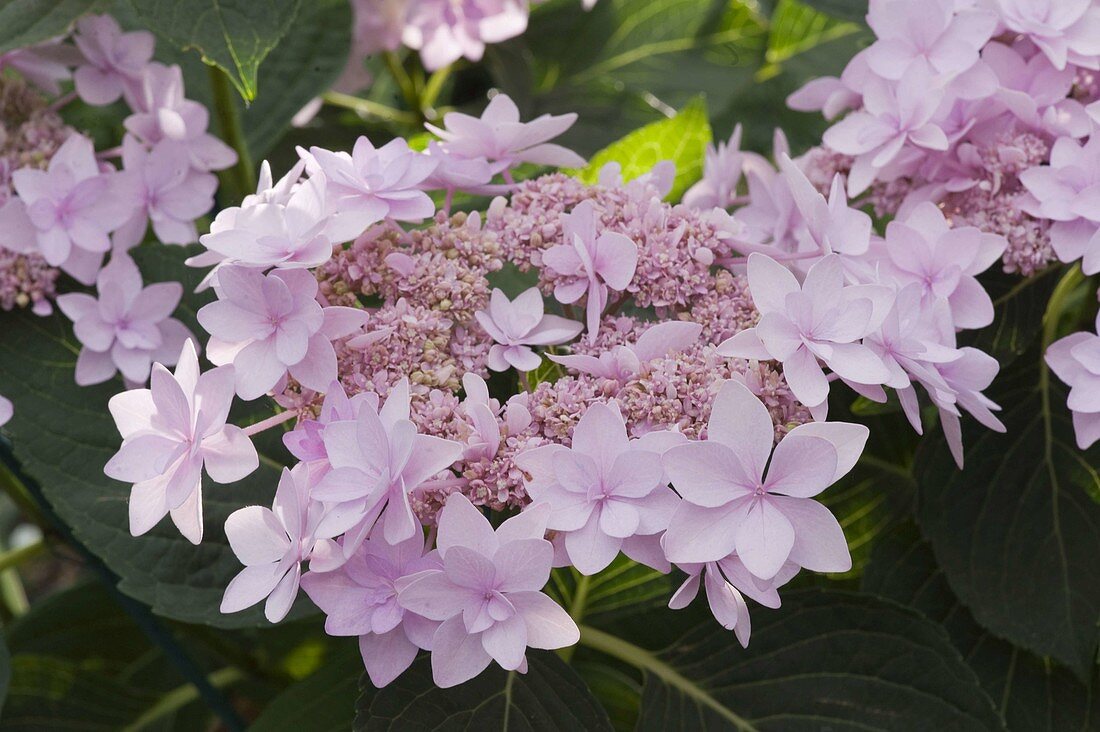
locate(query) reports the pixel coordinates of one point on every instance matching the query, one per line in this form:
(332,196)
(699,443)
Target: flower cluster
(986,112)
(66,208)
(658,386)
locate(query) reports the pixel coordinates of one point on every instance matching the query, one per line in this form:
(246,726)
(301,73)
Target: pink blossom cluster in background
(66,208)
(659,385)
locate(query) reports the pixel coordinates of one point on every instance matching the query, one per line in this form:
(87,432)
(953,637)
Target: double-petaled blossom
(1066,31)
(372,184)
(128,328)
(923,249)
(518,324)
(606,491)
(67,211)
(161,112)
(830,224)
(722,168)
(768,517)
(932,33)
(166,190)
(44,65)
(113,60)
(360,599)
(271,325)
(290,231)
(499,136)
(377,459)
(894,115)
(1076,361)
(1067,191)
(272,544)
(820,319)
(621,363)
(487,593)
(446,30)
(1035,92)
(170,432)
(590,263)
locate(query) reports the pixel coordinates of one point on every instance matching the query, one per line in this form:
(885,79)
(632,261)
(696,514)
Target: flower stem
(242,175)
(404,81)
(650,663)
(14,557)
(62,101)
(273,421)
(576,609)
(434,87)
(181,696)
(368,108)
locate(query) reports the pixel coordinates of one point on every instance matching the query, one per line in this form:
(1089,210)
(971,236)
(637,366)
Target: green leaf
(796,27)
(62,435)
(854,10)
(683,139)
(27,22)
(1016,532)
(550,696)
(5,673)
(1031,694)
(825,660)
(234,35)
(324,700)
(1018,305)
(624,63)
(624,588)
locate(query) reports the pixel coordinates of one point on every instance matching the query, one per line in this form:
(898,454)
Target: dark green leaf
(550,696)
(234,35)
(324,700)
(5,673)
(63,435)
(624,588)
(1019,304)
(683,139)
(624,63)
(26,22)
(1031,694)
(1016,532)
(825,660)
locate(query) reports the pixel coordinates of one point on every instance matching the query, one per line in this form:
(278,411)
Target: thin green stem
(404,81)
(13,592)
(15,557)
(242,175)
(181,696)
(576,609)
(19,495)
(434,87)
(369,108)
(1057,303)
(650,663)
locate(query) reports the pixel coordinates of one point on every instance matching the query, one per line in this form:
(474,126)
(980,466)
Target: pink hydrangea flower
(820,319)
(621,363)
(932,33)
(127,328)
(518,324)
(44,65)
(162,113)
(503,140)
(271,325)
(830,224)
(360,598)
(272,544)
(487,593)
(447,30)
(730,505)
(170,432)
(590,262)
(285,227)
(377,460)
(924,249)
(1067,191)
(169,193)
(372,184)
(67,211)
(603,491)
(722,168)
(894,114)
(114,60)
(1067,31)
(1076,361)
(1036,93)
